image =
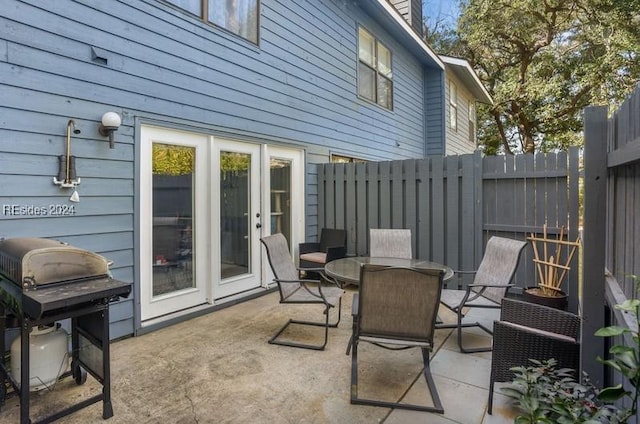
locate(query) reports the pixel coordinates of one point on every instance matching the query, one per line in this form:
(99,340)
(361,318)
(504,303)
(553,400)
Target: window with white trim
(375,79)
(238,16)
(453,106)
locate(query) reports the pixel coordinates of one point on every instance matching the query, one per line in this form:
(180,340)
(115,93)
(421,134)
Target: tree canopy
(543,62)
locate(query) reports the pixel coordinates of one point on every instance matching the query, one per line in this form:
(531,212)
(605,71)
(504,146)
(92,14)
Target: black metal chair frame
(399,343)
(531,331)
(300,291)
(475,292)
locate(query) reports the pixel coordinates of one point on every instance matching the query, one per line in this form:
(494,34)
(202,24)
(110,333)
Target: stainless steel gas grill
(42,282)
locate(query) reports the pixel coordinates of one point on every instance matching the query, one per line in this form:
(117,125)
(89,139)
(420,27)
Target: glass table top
(347,270)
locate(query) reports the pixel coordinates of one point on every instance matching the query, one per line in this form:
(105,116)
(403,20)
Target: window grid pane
(385,89)
(366,47)
(384,61)
(366,82)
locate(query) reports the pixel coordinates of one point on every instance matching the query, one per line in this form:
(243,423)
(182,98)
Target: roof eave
(393,22)
(463,70)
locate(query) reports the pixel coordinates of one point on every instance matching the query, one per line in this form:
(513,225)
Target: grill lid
(31,262)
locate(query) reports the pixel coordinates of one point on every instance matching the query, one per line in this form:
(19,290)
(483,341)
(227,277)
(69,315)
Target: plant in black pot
(553,259)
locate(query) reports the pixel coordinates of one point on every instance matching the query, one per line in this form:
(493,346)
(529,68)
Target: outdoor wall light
(110,122)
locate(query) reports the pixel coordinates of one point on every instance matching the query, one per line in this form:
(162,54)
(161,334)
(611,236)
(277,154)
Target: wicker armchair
(332,246)
(531,331)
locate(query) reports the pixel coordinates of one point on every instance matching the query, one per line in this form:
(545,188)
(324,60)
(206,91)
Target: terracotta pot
(535,295)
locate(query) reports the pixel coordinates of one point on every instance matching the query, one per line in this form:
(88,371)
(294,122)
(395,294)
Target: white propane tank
(48,356)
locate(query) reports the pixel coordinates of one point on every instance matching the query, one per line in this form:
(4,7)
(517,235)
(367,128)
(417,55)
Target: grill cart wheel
(79,373)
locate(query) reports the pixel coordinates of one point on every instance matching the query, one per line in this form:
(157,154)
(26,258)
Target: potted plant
(552,268)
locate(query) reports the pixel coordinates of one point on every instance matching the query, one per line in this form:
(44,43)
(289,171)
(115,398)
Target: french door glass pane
(280,175)
(237,16)
(235,192)
(173,218)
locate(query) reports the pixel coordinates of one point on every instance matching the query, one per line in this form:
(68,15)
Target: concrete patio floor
(219,368)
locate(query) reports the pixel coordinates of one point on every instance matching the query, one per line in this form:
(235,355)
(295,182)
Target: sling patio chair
(396,309)
(390,243)
(490,285)
(294,290)
(530,331)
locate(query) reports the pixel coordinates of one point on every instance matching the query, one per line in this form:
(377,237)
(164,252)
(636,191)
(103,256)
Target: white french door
(174,224)
(236,218)
(204,204)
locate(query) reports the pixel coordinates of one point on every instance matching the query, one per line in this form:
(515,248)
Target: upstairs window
(374,70)
(453,106)
(237,16)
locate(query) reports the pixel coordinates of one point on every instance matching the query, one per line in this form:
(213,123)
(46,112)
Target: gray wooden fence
(454,204)
(611,225)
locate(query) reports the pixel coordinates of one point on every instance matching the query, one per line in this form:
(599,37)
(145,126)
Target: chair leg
(437,404)
(459,326)
(326,325)
(476,324)
(490,403)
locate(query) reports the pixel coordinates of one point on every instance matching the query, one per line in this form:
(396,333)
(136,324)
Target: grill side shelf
(38,302)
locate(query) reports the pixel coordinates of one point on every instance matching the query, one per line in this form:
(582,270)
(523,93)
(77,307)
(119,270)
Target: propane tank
(48,356)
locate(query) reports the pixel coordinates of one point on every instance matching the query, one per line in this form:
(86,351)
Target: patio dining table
(347,270)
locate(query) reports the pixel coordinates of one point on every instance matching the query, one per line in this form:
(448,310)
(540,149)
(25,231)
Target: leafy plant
(546,394)
(624,359)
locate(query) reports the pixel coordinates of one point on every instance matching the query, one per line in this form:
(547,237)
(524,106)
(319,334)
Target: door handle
(258,225)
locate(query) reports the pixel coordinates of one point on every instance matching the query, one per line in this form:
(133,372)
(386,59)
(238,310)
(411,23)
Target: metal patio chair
(531,331)
(490,285)
(295,290)
(390,243)
(396,309)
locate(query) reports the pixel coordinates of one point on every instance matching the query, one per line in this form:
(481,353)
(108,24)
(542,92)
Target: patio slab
(219,368)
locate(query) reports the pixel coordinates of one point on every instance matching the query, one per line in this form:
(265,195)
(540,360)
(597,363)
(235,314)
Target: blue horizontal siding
(298,86)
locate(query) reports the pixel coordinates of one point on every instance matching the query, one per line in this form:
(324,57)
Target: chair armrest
(336,252)
(492,285)
(299,281)
(514,345)
(308,247)
(540,317)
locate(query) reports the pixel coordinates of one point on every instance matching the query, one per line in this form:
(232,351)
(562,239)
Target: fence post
(594,243)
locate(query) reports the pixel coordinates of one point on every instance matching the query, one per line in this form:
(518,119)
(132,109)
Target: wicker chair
(332,246)
(390,243)
(297,291)
(396,309)
(490,285)
(531,331)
